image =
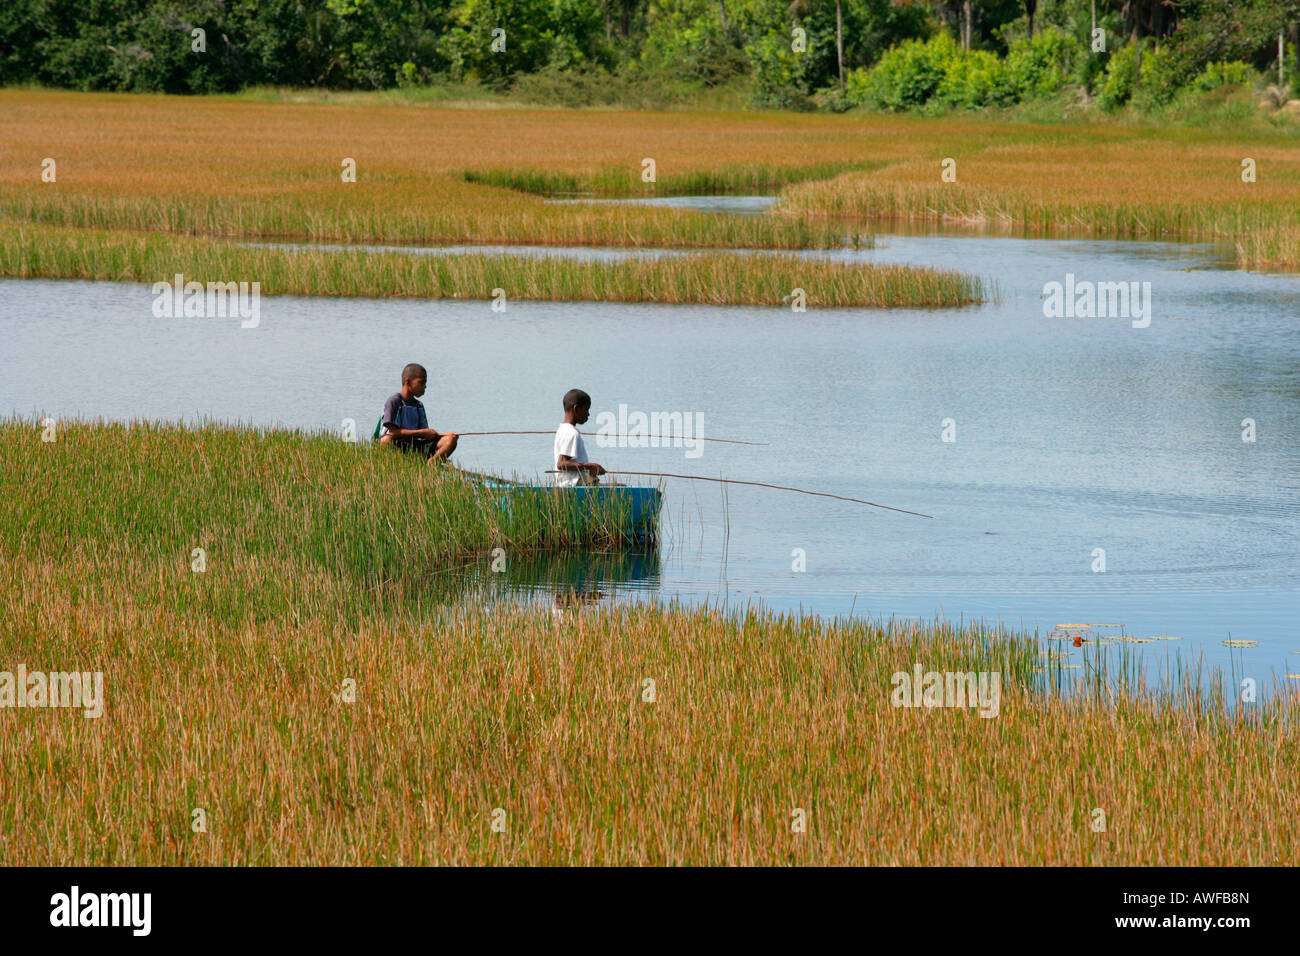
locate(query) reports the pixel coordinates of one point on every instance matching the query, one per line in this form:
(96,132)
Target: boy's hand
(596,469)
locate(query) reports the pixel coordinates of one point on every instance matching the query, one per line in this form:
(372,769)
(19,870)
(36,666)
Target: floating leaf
(1236,643)
(1164,637)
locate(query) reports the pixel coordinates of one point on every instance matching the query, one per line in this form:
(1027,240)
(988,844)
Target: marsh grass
(421,212)
(234,167)
(707,278)
(360,512)
(743,179)
(1108,189)
(224,167)
(238,167)
(224,691)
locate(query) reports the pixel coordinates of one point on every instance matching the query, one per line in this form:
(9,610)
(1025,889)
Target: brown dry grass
(223,693)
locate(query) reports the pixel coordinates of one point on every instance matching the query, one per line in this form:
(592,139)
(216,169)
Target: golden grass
(1121,186)
(224,693)
(356,510)
(458,713)
(236,167)
(709,278)
(220,166)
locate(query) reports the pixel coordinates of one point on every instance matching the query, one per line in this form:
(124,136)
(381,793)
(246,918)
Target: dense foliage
(896,54)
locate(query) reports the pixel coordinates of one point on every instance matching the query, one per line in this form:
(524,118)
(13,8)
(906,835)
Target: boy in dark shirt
(405,424)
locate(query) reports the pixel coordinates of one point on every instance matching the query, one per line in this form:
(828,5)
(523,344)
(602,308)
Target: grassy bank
(226,691)
(1104,185)
(710,278)
(222,166)
(243,168)
(294,507)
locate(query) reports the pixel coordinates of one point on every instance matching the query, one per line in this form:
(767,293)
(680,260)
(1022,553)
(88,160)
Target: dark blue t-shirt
(403,412)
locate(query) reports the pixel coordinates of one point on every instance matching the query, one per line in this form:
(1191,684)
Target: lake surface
(737,205)
(1071,435)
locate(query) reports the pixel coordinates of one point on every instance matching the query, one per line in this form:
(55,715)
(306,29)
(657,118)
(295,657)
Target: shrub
(695,48)
(1121,77)
(780,75)
(974,81)
(1223,74)
(1158,80)
(1039,67)
(906,76)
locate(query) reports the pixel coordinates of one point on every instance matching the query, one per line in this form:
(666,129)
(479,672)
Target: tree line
(784,53)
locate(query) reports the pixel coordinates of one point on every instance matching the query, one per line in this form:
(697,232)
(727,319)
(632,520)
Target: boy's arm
(568,464)
(428,433)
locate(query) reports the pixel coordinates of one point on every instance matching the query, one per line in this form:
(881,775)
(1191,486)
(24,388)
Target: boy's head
(578,404)
(416,377)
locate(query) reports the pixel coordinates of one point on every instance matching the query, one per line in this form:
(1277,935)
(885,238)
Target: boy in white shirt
(571,465)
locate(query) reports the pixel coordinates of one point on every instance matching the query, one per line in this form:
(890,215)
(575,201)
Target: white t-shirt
(568,441)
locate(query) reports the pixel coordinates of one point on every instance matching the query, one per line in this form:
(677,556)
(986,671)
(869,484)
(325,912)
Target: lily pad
(1236,643)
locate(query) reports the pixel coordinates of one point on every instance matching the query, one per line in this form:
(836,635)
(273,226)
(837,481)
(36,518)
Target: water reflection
(736,205)
(561,579)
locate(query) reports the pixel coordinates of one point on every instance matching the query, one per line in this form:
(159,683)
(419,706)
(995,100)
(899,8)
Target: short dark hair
(575,397)
(414,370)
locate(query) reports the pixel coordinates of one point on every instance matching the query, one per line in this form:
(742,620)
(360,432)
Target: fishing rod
(728,441)
(759,484)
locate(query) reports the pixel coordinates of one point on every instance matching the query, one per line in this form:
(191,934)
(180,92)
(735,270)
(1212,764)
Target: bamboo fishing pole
(759,484)
(728,441)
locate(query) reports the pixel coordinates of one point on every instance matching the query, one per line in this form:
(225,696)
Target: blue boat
(633,511)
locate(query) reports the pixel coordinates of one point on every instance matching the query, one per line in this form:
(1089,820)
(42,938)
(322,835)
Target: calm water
(1071,434)
(739,205)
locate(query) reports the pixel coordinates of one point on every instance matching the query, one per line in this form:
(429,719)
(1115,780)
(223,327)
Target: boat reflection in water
(565,580)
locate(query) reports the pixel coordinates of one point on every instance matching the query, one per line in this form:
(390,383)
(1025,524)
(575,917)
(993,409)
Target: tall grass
(421,213)
(710,278)
(1122,187)
(237,167)
(240,168)
(312,503)
(225,691)
(743,179)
